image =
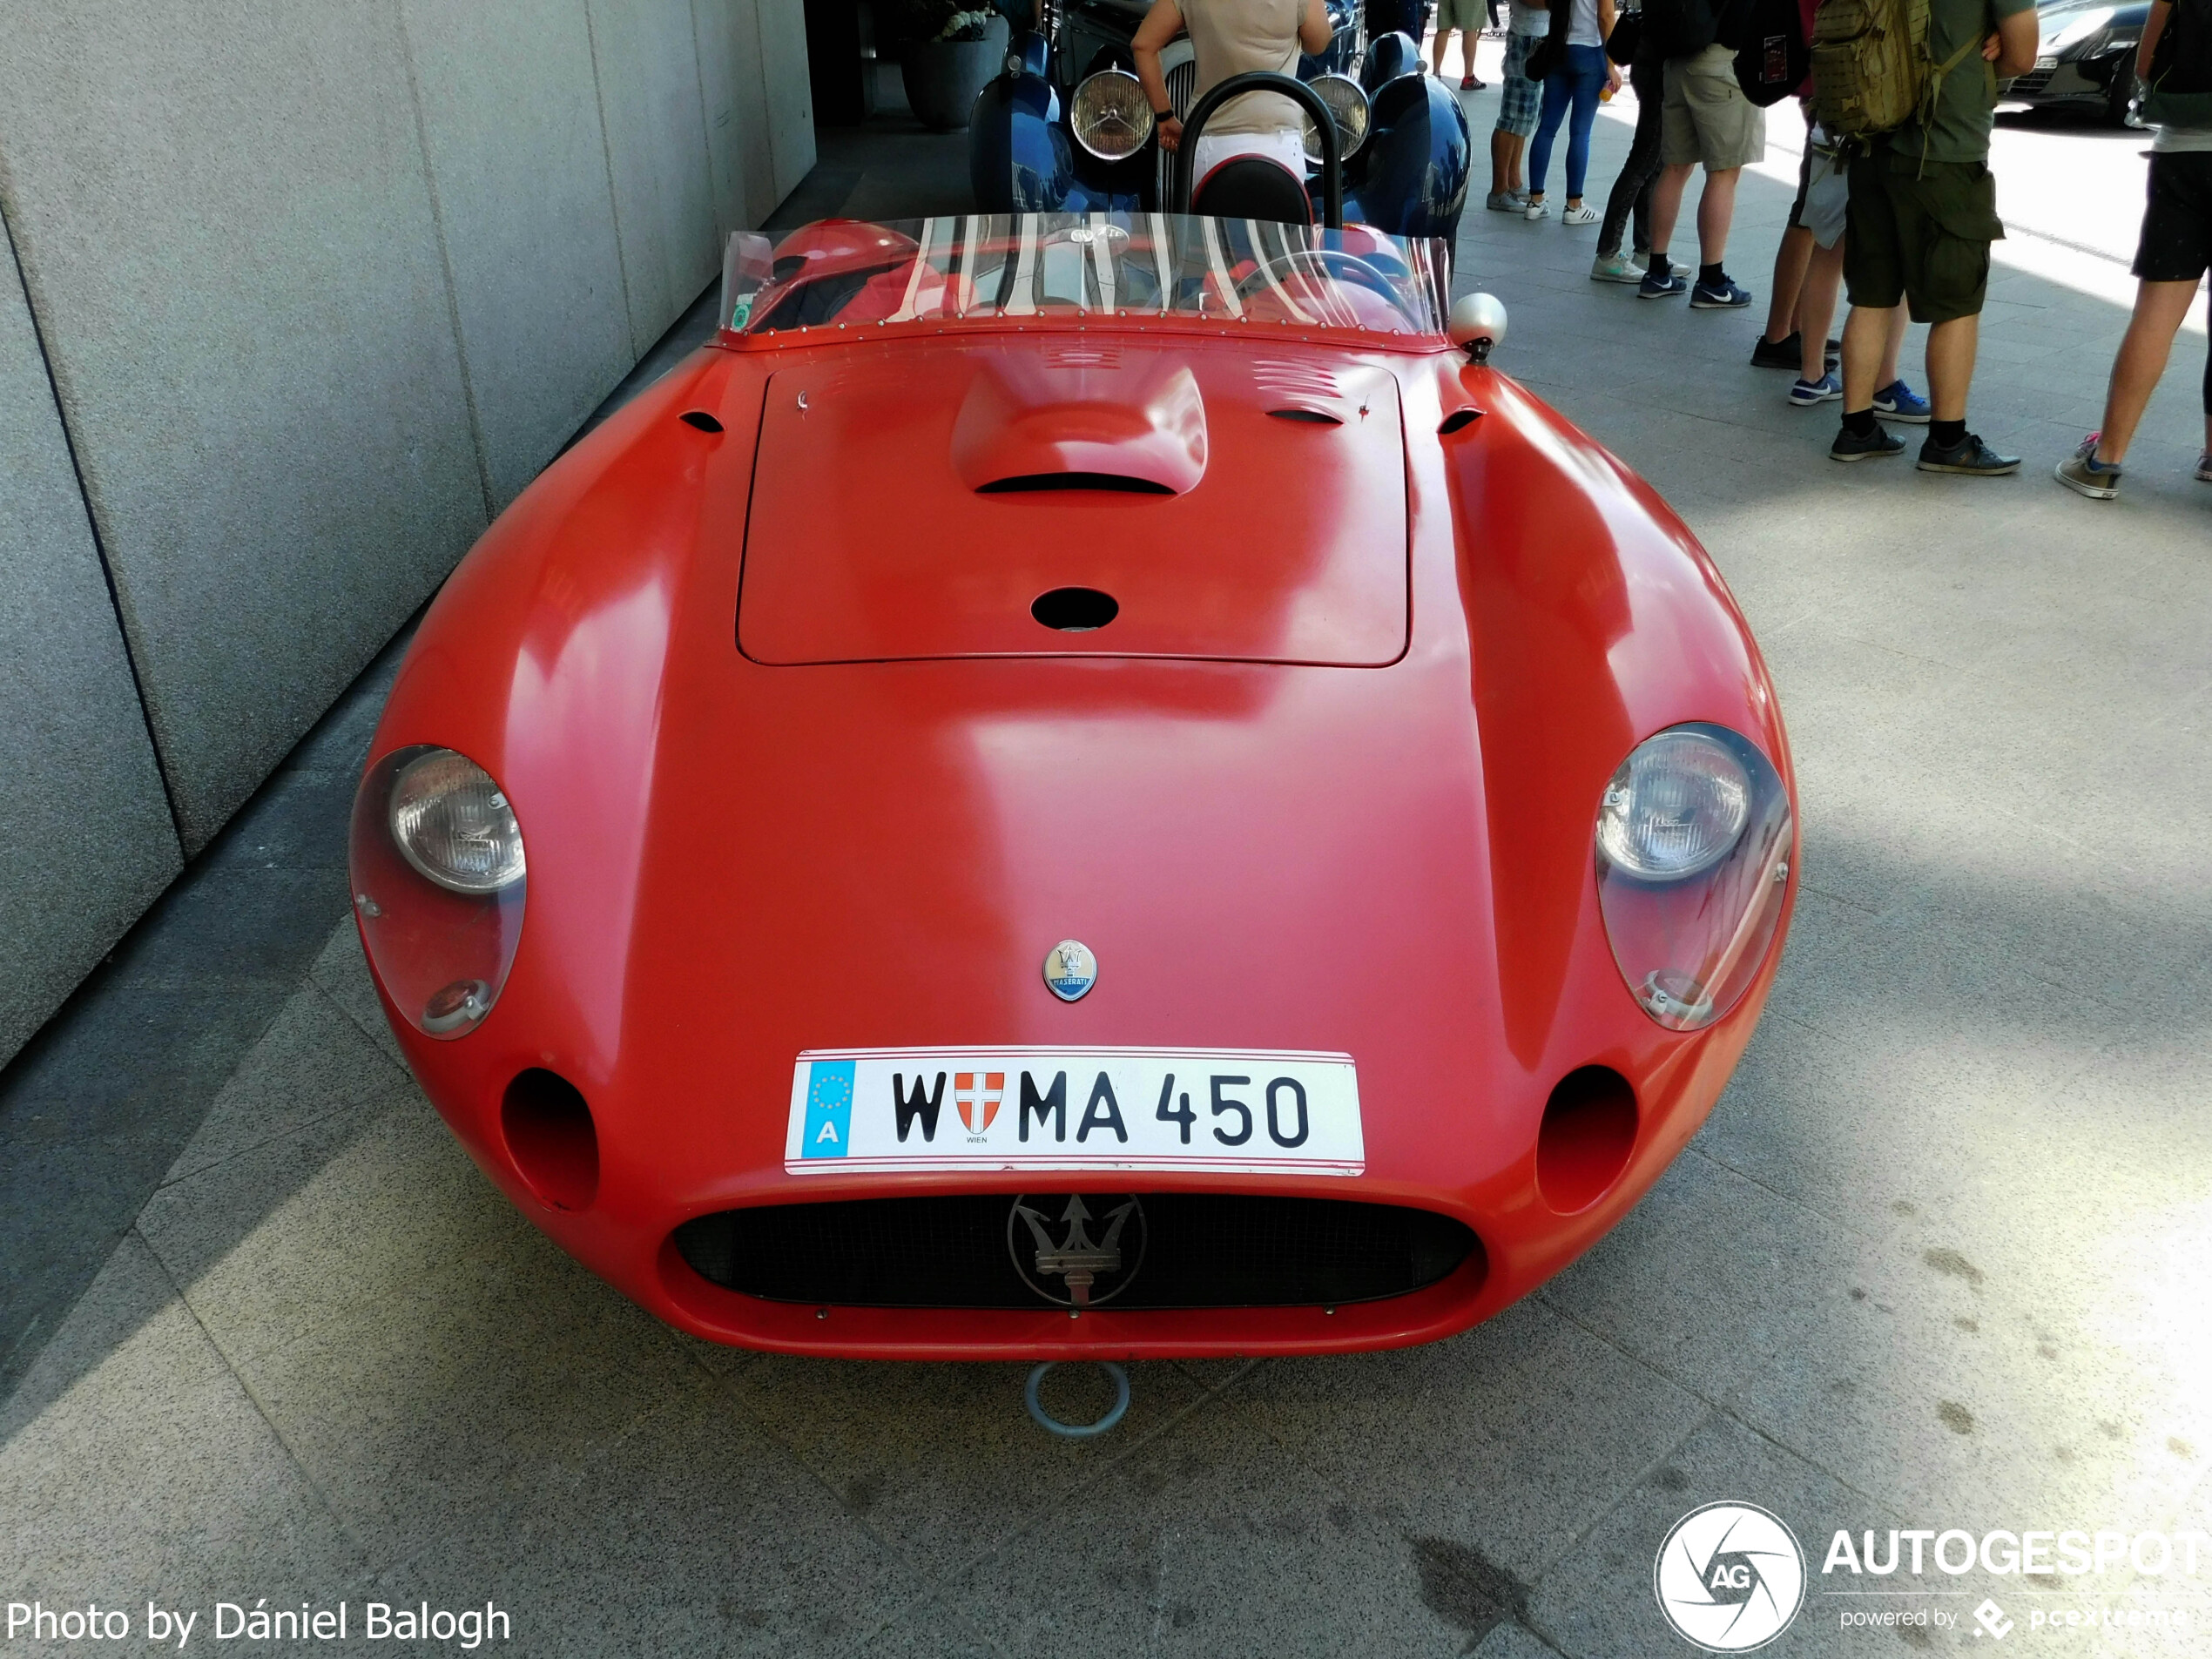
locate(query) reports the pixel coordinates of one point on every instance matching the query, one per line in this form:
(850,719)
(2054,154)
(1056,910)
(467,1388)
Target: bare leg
(2160,307)
(1516,148)
(1436,58)
(1864,333)
(1951,365)
(1816,308)
(1900,319)
(1716,208)
(1790,262)
(1501,160)
(1666,205)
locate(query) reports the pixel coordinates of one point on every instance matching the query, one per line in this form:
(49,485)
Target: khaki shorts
(1459,14)
(1920,233)
(1706,117)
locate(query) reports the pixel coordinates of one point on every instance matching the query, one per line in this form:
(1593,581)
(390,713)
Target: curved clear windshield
(996,268)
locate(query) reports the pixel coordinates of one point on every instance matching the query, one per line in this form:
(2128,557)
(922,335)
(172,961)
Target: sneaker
(2083,473)
(1616,268)
(1585,215)
(1849,446)
(1898,401)
(1970,455)
(1805,394)
(1468,84)
(1505,201)
(1785,352)
(1661,285)
(1789,353)
(1536,209)
(1724,295)
(2205,467)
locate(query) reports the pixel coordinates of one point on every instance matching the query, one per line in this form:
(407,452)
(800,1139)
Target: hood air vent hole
(1311,417)
(1457,419)
(700,419)
(1074,610)
(1032,483)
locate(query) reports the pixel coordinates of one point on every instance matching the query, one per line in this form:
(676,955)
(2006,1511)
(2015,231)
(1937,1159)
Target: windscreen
(989,269)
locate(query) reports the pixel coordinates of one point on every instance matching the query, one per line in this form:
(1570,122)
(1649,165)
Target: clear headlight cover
(453,824)
(1349,105)
(1693,864)
(435,858)
(1109,114)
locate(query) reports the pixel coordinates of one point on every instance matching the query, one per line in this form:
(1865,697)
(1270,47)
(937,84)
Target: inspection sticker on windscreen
(1238,1110)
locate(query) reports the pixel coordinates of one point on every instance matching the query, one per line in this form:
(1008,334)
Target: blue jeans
(1578,81)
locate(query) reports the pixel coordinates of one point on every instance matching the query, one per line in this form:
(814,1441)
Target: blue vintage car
(1065,128)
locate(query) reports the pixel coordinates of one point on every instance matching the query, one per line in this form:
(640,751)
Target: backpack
(1773,59)
(1871,70)
(2178,90)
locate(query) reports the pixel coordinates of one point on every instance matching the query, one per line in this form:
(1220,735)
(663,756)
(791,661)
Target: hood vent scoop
(1134,423)
(1035,483)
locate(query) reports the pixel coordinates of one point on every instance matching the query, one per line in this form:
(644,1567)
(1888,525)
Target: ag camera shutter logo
(1730,1577)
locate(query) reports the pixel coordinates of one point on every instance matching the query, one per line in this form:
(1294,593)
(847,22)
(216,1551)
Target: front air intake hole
(1074,610)
(1035,482)
(1589,1130)
(551,1138)
(700,419)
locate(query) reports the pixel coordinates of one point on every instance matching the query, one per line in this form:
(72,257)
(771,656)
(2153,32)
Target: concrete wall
(314,288)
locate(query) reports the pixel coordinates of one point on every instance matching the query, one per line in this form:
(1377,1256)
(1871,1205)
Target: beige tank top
(1231,36)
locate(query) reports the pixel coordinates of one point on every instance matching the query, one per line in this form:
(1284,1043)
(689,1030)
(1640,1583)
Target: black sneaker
(1969,454)
(1849,446)
(1787,351)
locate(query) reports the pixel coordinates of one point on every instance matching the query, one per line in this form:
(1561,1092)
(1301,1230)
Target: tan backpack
(1871,70)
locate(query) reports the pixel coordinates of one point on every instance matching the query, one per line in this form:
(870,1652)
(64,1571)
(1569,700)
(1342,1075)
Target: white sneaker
(1585,215)
(1616,268)
(1537,210)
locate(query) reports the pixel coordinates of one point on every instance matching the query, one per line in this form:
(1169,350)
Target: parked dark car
(2087,59)
(1065,129)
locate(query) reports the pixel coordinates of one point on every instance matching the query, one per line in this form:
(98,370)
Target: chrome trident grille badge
(1090,1271)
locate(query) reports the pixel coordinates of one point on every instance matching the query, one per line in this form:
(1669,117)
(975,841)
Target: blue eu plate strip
(829,1109)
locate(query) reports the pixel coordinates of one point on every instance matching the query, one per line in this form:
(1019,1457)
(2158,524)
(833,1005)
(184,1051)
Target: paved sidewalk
(1939,1260)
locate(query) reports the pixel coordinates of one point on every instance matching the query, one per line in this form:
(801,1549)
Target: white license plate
(1226,1109)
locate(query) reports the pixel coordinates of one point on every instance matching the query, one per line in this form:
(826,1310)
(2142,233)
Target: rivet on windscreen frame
(802,399)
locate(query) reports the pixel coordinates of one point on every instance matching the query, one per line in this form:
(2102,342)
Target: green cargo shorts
(1920,233)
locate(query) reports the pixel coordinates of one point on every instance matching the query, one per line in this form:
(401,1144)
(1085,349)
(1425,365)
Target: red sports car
(1093,786)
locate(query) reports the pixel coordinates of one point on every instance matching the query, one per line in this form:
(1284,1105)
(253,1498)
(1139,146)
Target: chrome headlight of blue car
(1109,116)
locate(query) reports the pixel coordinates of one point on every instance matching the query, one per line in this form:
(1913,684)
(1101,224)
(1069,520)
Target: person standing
(1706,120)
(1581,72)
(1459,15)
(1632,191)
(2172,255)
(1922,214)
(1519,101)
(1230,37)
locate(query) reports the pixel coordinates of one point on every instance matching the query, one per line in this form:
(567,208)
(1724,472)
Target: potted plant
(948,55)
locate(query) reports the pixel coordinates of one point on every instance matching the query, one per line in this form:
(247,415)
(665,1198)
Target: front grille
(1201,1250)
(2033,82)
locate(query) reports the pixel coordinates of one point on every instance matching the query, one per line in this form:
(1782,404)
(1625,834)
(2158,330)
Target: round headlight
(1349,105)
(1109,116)
(1675,808)
(453,824)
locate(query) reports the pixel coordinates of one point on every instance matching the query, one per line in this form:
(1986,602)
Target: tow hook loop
(1077,1431)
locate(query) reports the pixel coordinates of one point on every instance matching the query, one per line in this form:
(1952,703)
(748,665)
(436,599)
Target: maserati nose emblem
(1070,969)
(1089,1270)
